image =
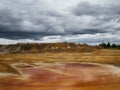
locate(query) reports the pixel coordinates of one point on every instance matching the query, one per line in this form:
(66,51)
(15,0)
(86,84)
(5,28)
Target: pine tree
(108,45)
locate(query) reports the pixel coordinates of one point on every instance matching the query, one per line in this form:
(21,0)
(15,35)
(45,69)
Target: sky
(46,21)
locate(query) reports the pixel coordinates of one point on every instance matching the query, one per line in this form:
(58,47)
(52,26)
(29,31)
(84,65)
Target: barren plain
(95,70)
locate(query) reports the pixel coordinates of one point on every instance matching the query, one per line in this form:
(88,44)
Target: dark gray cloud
(36,19)
(86,8)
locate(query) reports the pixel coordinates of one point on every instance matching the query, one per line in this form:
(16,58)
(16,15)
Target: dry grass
(99,56)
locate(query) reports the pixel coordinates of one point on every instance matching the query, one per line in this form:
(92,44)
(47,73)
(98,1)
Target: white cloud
(86,38)
(60,17)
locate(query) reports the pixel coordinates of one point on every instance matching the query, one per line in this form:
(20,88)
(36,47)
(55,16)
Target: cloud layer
(38,19)
(86,38)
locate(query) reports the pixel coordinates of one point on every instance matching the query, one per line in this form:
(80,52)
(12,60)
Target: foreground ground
(98,70)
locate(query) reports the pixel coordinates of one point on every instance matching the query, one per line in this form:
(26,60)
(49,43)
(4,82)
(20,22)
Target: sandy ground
(63,76)
(97,70)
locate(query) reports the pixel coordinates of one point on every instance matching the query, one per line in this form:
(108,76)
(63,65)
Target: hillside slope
(46,47)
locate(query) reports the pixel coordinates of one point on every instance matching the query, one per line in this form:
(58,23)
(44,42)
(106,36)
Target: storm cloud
(35,20)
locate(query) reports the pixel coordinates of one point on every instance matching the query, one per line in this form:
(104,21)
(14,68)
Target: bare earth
(98,70)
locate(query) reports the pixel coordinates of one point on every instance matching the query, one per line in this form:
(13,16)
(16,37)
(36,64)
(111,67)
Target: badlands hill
(46,47)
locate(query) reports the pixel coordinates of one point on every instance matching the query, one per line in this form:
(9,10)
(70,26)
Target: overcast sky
(81,21)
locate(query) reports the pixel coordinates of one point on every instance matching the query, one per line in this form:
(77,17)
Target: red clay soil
(64,76)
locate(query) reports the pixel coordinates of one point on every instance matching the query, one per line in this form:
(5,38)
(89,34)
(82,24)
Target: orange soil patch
(64,76)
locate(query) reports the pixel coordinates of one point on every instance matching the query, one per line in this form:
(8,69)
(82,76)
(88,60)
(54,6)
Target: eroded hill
(46,47)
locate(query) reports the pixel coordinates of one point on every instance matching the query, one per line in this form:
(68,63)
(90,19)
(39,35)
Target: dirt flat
(63,76)
(98,70)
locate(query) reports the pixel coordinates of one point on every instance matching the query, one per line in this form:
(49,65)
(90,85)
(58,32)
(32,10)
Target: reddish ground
(63,76)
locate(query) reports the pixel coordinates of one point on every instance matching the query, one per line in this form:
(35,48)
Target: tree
(103,44)
(108,45)
(114,45)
